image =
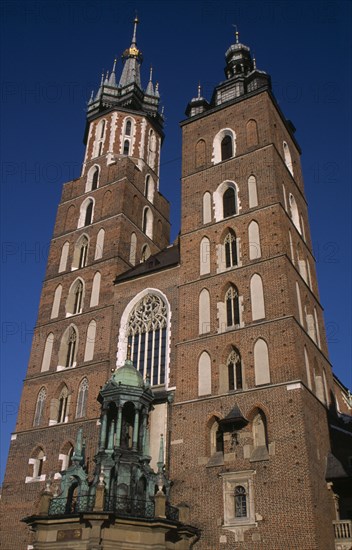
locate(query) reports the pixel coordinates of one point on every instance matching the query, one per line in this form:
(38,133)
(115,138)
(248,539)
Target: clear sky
(53,53)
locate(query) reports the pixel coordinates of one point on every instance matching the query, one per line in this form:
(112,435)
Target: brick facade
(289,504)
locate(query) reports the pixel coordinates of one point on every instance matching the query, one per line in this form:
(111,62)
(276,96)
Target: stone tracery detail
(146,334)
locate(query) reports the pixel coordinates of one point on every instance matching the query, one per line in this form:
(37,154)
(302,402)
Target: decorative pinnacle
(114,66)
(254,63)
(199,90)
(134,38)
(151,73)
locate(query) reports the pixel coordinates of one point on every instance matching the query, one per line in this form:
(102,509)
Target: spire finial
(199,90)
(254,62)
(237,34)
(151,73)
(134,38)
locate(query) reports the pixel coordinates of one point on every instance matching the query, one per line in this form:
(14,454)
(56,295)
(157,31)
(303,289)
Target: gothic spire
(132,58)
(112,79)
(150,87)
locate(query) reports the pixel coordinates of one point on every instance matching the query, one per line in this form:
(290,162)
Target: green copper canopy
(128,376)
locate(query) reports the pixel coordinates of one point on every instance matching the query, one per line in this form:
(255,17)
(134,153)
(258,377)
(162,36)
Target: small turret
(242,77)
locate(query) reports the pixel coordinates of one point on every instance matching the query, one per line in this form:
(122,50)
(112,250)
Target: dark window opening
(126,147)
(95,179)
(89,214)
(128,128)
(226,148)
(229,202)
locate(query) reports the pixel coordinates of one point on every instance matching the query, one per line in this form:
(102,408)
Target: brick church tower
(250,434)
(225,325)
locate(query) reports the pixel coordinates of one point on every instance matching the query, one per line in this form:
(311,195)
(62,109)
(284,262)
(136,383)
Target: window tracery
(146,334)
(232,307)
(231,258)
(234,368)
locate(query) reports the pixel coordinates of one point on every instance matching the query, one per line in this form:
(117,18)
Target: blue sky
(53,54)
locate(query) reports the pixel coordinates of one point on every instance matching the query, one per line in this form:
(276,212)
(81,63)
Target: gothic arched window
(234,369)
(95,178)
(82,398)
(80,253)
(230,244)
(83,252)
(62,406)
(128,128)
(89,214)
(226,148)
(146,332)
(39,407)
(229,202)
(74,302)
(71,347)
(232,307)
(224,145)
(126,147)
(92,178)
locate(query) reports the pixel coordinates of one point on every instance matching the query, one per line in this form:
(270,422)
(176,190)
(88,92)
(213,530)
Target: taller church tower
(109,219)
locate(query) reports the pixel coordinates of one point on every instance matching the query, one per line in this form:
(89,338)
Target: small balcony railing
(128,507)
(64,506)
(343,530)
(121,506)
